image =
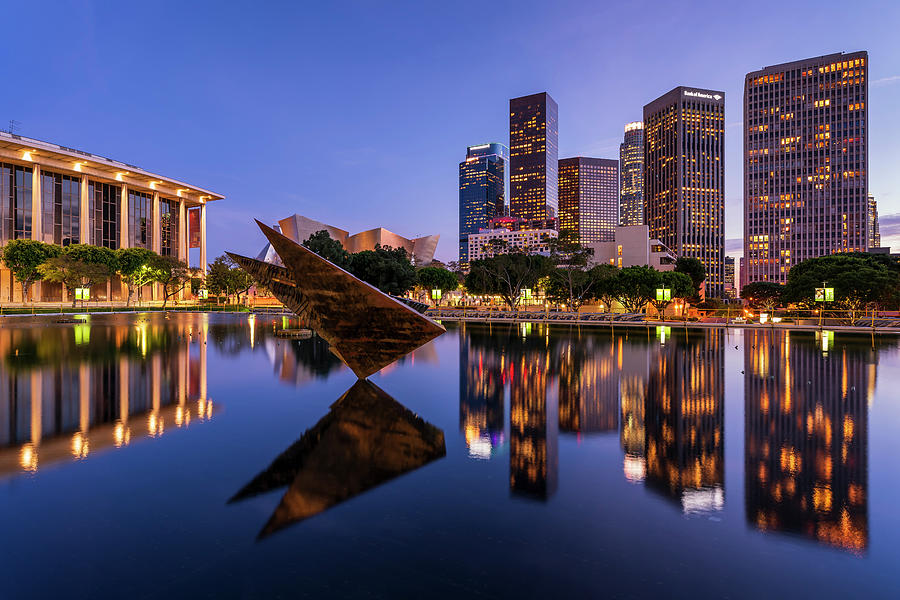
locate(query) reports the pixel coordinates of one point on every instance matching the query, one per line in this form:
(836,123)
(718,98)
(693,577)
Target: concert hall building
(61,195)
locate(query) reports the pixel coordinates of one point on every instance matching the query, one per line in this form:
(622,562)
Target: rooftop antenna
(13,125)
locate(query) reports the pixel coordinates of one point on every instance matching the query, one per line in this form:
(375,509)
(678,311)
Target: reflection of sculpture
(806,436)
(365,328)
(365,440)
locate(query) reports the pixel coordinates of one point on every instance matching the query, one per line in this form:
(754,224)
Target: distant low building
(633,247)
(299,228)
(490,242)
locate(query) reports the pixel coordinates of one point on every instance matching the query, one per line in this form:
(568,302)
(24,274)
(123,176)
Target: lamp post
(823,294)
(663,295)
(436,296)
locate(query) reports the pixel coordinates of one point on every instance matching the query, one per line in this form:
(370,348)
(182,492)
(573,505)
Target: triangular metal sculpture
(365,440)
(365,328)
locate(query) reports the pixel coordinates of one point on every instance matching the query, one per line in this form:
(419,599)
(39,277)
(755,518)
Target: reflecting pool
(204,455)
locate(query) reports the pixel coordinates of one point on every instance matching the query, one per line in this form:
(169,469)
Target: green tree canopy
(606,285)
(763,294)
(679,284)
(171,272)
(857,279)
(693,268)
(132,267)
(636,287)
(506,275)
(72,272)
(388,269)
(95,255)
(226,277)
(570,282)
(330,249)
(23,257)
(436,278)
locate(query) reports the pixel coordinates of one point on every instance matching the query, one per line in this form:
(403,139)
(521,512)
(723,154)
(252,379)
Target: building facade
(533,156)
(730,284)
(874,234)
(589,198)
(684,177)
(60,195)
(482,190)
(299,228)
(631,169)
(805,163)
(490,242)
(632,247)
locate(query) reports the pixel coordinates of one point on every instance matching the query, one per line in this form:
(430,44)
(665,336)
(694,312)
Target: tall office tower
(730,290)
(874,234)
(631,167)
(805,162)
(684,177)
(589,198)
(482,191)
(533,131)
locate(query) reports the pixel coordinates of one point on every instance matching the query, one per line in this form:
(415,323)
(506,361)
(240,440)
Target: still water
(202,456)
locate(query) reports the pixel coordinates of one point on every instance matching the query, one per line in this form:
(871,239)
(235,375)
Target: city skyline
(217,111)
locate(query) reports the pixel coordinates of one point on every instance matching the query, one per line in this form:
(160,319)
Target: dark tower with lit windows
(533,150)
(684,177)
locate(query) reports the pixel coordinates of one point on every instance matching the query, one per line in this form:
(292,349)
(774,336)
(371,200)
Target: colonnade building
(60,195)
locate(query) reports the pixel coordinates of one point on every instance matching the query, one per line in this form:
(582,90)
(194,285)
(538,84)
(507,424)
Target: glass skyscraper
(482,191)
(684,177)
(534,152)
(631,168)
(589,198)
(805,163)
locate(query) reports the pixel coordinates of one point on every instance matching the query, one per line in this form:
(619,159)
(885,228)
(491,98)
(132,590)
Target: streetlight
(436,295)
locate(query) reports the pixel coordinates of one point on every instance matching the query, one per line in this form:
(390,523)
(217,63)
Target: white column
(37,226)
(155,237)
(84,219)
(123,219)
(203,238)
(182,232)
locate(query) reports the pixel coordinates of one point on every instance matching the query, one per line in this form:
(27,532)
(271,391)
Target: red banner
(194,228)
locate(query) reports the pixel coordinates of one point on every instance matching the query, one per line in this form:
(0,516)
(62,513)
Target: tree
(73,273)
(388,269)
(506,275)
(763,294)
(23,257)
(606,285)
(858,280)
(131,265)
(678,284)
(225,276)
(330,249)
(636,287)
(569,282)
(171,272)
(436,278)
(693,268)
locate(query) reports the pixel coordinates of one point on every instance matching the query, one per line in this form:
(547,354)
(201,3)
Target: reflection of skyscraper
(806,435)
(588,386)
(533,457)
(480,397)
(684,419)
(634,365)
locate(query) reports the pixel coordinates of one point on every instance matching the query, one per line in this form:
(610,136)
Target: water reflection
(71,390)
(806,429)
(669,394)
(366,439)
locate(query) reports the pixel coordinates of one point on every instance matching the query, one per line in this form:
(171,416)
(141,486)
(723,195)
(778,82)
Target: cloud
(886,80)
(735,245)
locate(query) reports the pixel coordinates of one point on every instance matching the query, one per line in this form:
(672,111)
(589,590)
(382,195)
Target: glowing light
(80,446)
(28,457)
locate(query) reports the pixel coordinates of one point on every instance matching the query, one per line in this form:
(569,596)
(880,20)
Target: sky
(357,114)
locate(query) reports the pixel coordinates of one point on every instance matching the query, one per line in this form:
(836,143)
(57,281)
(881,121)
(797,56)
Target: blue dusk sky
(358,113)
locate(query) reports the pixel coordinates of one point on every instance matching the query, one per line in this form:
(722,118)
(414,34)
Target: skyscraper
(631,167)
(730,290)
(684,177)
(874,232)
(589,198)
(533,131)
(805,163)
(482,190)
